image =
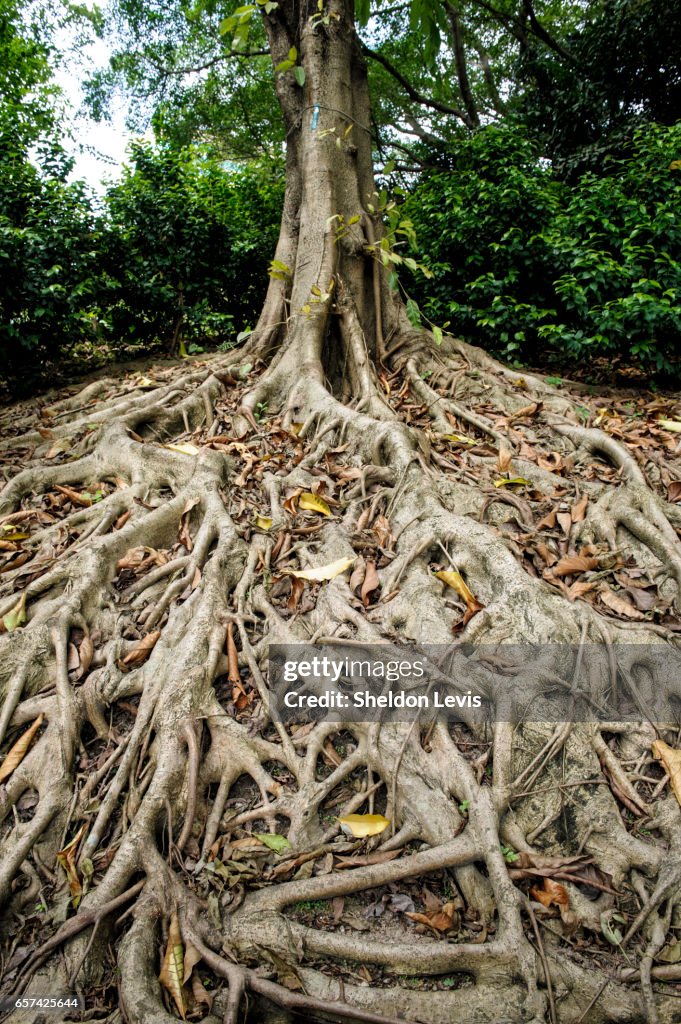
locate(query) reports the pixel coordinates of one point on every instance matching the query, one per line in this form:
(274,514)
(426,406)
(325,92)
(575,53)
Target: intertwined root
(151,593)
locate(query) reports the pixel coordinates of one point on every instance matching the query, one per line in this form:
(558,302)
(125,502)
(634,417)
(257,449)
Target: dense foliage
(187,244)
(527,265)
(535,145)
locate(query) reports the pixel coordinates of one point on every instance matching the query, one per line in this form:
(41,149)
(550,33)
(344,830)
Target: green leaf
(362,11)
(16,616)
(279,844)
(299,75)
(414,313)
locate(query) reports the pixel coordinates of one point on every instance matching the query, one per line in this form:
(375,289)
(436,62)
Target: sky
(99,148)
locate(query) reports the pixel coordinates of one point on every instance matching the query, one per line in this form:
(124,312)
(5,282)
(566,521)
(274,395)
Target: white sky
(98,148)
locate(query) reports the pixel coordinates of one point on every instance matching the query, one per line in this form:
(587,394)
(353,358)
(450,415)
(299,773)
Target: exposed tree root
(149,609)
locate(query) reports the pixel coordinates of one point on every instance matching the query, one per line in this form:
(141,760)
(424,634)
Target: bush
(528,266)
(188,244)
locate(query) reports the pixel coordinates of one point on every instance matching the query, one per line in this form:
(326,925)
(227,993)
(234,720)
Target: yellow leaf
(313,503)
(295,428)
(456,581)
(185,448)
(67,859)
(671,759)
(362,825)
(459,439)
(673,425)
(16,616)
(324,572)
(263,522)
(146,382)
(518,481)
(172,968)
(18,752)
(10,532)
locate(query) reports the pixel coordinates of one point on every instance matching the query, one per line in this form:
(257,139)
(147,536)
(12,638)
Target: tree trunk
(330,307)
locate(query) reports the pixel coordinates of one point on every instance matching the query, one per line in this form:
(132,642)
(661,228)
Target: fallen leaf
(185,448)
(671,953)
(548,521)
(456,581)
(553,892)
(141,651)
(673,425)
(18,752)
(514,481)
(67,859)
(460,439)
(371,583)
(233,673)
(619,604)
(172,968)
(382,532)
(313,503)
(504,458)
(263,522)
(377,857)
(671,760)
(191,958)
(74,496)
(279,844)
(578,510)
(674,491)
(16,616)
(571,564)
(362,825)
(444,919)
(323,572)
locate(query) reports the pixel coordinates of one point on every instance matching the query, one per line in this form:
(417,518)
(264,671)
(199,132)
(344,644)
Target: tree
(181,521)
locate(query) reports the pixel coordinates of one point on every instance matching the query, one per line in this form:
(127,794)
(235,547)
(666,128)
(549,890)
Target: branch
(541,33)
(413,93)
(460,58)
(227,55)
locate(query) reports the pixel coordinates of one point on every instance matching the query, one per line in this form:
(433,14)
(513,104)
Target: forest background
(530,156)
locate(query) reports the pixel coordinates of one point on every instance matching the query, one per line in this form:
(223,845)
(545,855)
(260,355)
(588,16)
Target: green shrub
(528,266)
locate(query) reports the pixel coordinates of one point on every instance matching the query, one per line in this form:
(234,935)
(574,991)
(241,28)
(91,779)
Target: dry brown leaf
(383,533)
(358,573)
(233,673)
(86,653)
(552,462)
(74,496)
(18,752)
(619,604)
(570,565)
(444,919)
(579,588)
(565,522)
(141,650)
(674,491)
(671,760)
(504,458)
(201,993)
(377,857)
(172,968)
(553,892)
(578,510)
(191,958)
(371,583)
(548,522)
